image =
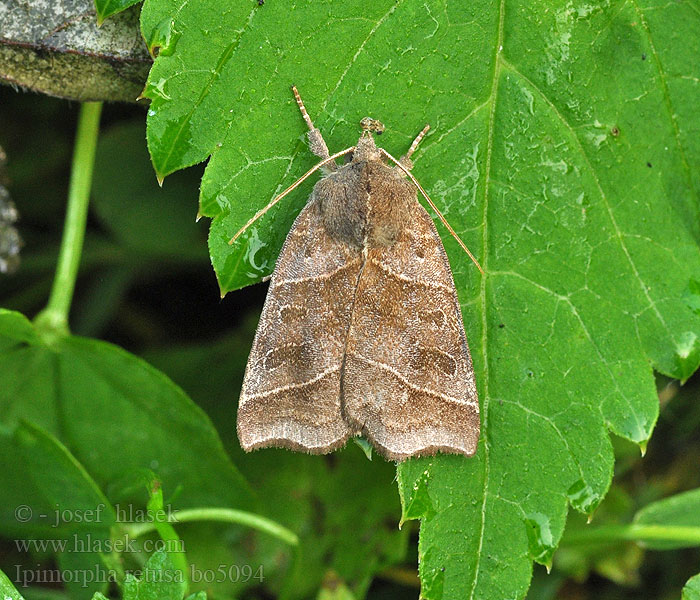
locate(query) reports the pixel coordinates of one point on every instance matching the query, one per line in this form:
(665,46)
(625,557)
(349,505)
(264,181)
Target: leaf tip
(643,447)
(365,446)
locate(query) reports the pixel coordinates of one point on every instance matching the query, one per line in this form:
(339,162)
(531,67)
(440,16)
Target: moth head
(370,125)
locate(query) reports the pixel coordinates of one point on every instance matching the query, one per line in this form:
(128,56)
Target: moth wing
(408,384)
(291,388)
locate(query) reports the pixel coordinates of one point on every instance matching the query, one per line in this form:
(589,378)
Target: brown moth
(361,332)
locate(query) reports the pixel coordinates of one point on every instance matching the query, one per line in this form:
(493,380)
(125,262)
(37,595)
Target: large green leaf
(118,416)
(564,151)
(115,413)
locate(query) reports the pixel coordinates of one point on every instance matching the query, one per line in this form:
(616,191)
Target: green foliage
(118,416)
(77,385)
(160,581)
(64,482)
(681,513)
(562,152)
(127,210)
(107,8)
(692,589)
(334,590)
(613,558)
(8,591)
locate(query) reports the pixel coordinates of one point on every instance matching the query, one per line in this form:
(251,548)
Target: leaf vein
(575,313)
(666,94)
(223,59)
(603,196)
(360,48)
(493,96)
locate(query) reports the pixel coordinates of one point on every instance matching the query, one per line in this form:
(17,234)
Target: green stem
(222,515)
(635,533)
(167,532)
(54,318)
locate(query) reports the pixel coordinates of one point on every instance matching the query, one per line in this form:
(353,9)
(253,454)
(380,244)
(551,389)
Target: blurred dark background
(146,284)
(145,257)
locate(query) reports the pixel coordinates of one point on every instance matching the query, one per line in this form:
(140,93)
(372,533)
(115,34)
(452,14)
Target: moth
(361,333)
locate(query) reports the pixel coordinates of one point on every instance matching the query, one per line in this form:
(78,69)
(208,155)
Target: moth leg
(406,158)
(317,144)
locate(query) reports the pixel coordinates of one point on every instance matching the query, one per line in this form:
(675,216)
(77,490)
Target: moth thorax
(366,149)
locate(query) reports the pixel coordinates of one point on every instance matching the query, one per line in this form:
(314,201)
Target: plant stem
(222,515)
(637,533)
(54,318)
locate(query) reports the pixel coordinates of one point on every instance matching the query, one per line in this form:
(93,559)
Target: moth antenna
(415,143)
(439,214)
(279,197)
(302,108)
